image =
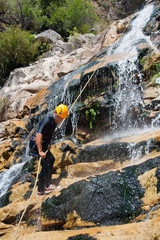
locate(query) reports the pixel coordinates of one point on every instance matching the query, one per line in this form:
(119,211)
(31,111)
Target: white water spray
(6,177)
(128,97)
(135,37)
(137,152)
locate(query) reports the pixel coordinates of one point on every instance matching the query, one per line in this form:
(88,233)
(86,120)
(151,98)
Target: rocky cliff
(108,167)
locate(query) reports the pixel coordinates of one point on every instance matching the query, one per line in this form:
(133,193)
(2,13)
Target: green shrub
(2,6)
(81,15)
(17,49)
(91,113)
(58,19)
(59,15)
(26,13)
(78,14)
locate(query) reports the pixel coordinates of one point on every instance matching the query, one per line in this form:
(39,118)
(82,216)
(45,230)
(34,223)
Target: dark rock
(118,151)
(158,179)
(27,195)
(81,237)
(108,199)
(5,199)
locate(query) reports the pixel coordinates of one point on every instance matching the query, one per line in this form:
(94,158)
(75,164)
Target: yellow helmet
(62,110)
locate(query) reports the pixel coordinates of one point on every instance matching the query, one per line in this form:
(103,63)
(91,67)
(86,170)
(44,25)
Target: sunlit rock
(50,34)
(122,187)
(64,153)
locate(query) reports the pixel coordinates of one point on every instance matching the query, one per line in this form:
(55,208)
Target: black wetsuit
(46,127)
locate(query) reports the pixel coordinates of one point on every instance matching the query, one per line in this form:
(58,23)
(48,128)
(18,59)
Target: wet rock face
(82,237)
(116,151)
(111,198)
(131,6)
(154,22)
(153,27)
(158,178)
(115,198)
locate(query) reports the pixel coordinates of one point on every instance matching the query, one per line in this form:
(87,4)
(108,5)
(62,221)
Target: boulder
(115,31)
(50,34)
(116,198)
(64,152)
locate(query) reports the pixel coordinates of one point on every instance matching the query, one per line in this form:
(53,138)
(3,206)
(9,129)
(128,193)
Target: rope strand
(14,237)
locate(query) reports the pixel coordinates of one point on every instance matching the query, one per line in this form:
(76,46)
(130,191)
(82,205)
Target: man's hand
(42,154)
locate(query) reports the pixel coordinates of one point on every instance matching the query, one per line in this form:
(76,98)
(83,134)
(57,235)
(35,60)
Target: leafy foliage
(59,15)
(17,48)
(2,6)
(26,13)
(71,14)
(91,114)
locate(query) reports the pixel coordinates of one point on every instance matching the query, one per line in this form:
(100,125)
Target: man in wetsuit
(39,143)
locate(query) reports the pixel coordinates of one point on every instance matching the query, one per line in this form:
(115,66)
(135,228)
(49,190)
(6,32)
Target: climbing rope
(16,232)
(14,237)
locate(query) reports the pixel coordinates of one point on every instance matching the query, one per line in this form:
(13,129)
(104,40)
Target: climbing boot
(51,188)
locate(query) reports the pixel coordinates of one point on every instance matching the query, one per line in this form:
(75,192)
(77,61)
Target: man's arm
(39,137)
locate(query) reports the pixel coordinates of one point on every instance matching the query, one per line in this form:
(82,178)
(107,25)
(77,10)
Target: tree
(78,14)
(26,13)
(17,49)
(45,3)
(81,15)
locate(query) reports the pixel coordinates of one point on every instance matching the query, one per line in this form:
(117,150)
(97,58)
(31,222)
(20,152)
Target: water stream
(135,37)
(7,176)
(128,97)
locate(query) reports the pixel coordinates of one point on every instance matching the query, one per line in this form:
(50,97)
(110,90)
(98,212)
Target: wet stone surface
(116,197)
(81,237)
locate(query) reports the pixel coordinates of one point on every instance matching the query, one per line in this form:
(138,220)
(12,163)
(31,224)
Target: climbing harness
(58,129)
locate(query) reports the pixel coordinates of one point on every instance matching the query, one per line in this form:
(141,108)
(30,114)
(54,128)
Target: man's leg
(41,182)
(48,168)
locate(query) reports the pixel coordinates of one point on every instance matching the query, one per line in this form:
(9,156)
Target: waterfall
(128,97)
(136,153)
(135,37)
(7,177)
(128,107)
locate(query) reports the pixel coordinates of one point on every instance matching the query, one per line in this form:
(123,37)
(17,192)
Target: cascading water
(136,153)
(6,177)
(135,37)
(128,97)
